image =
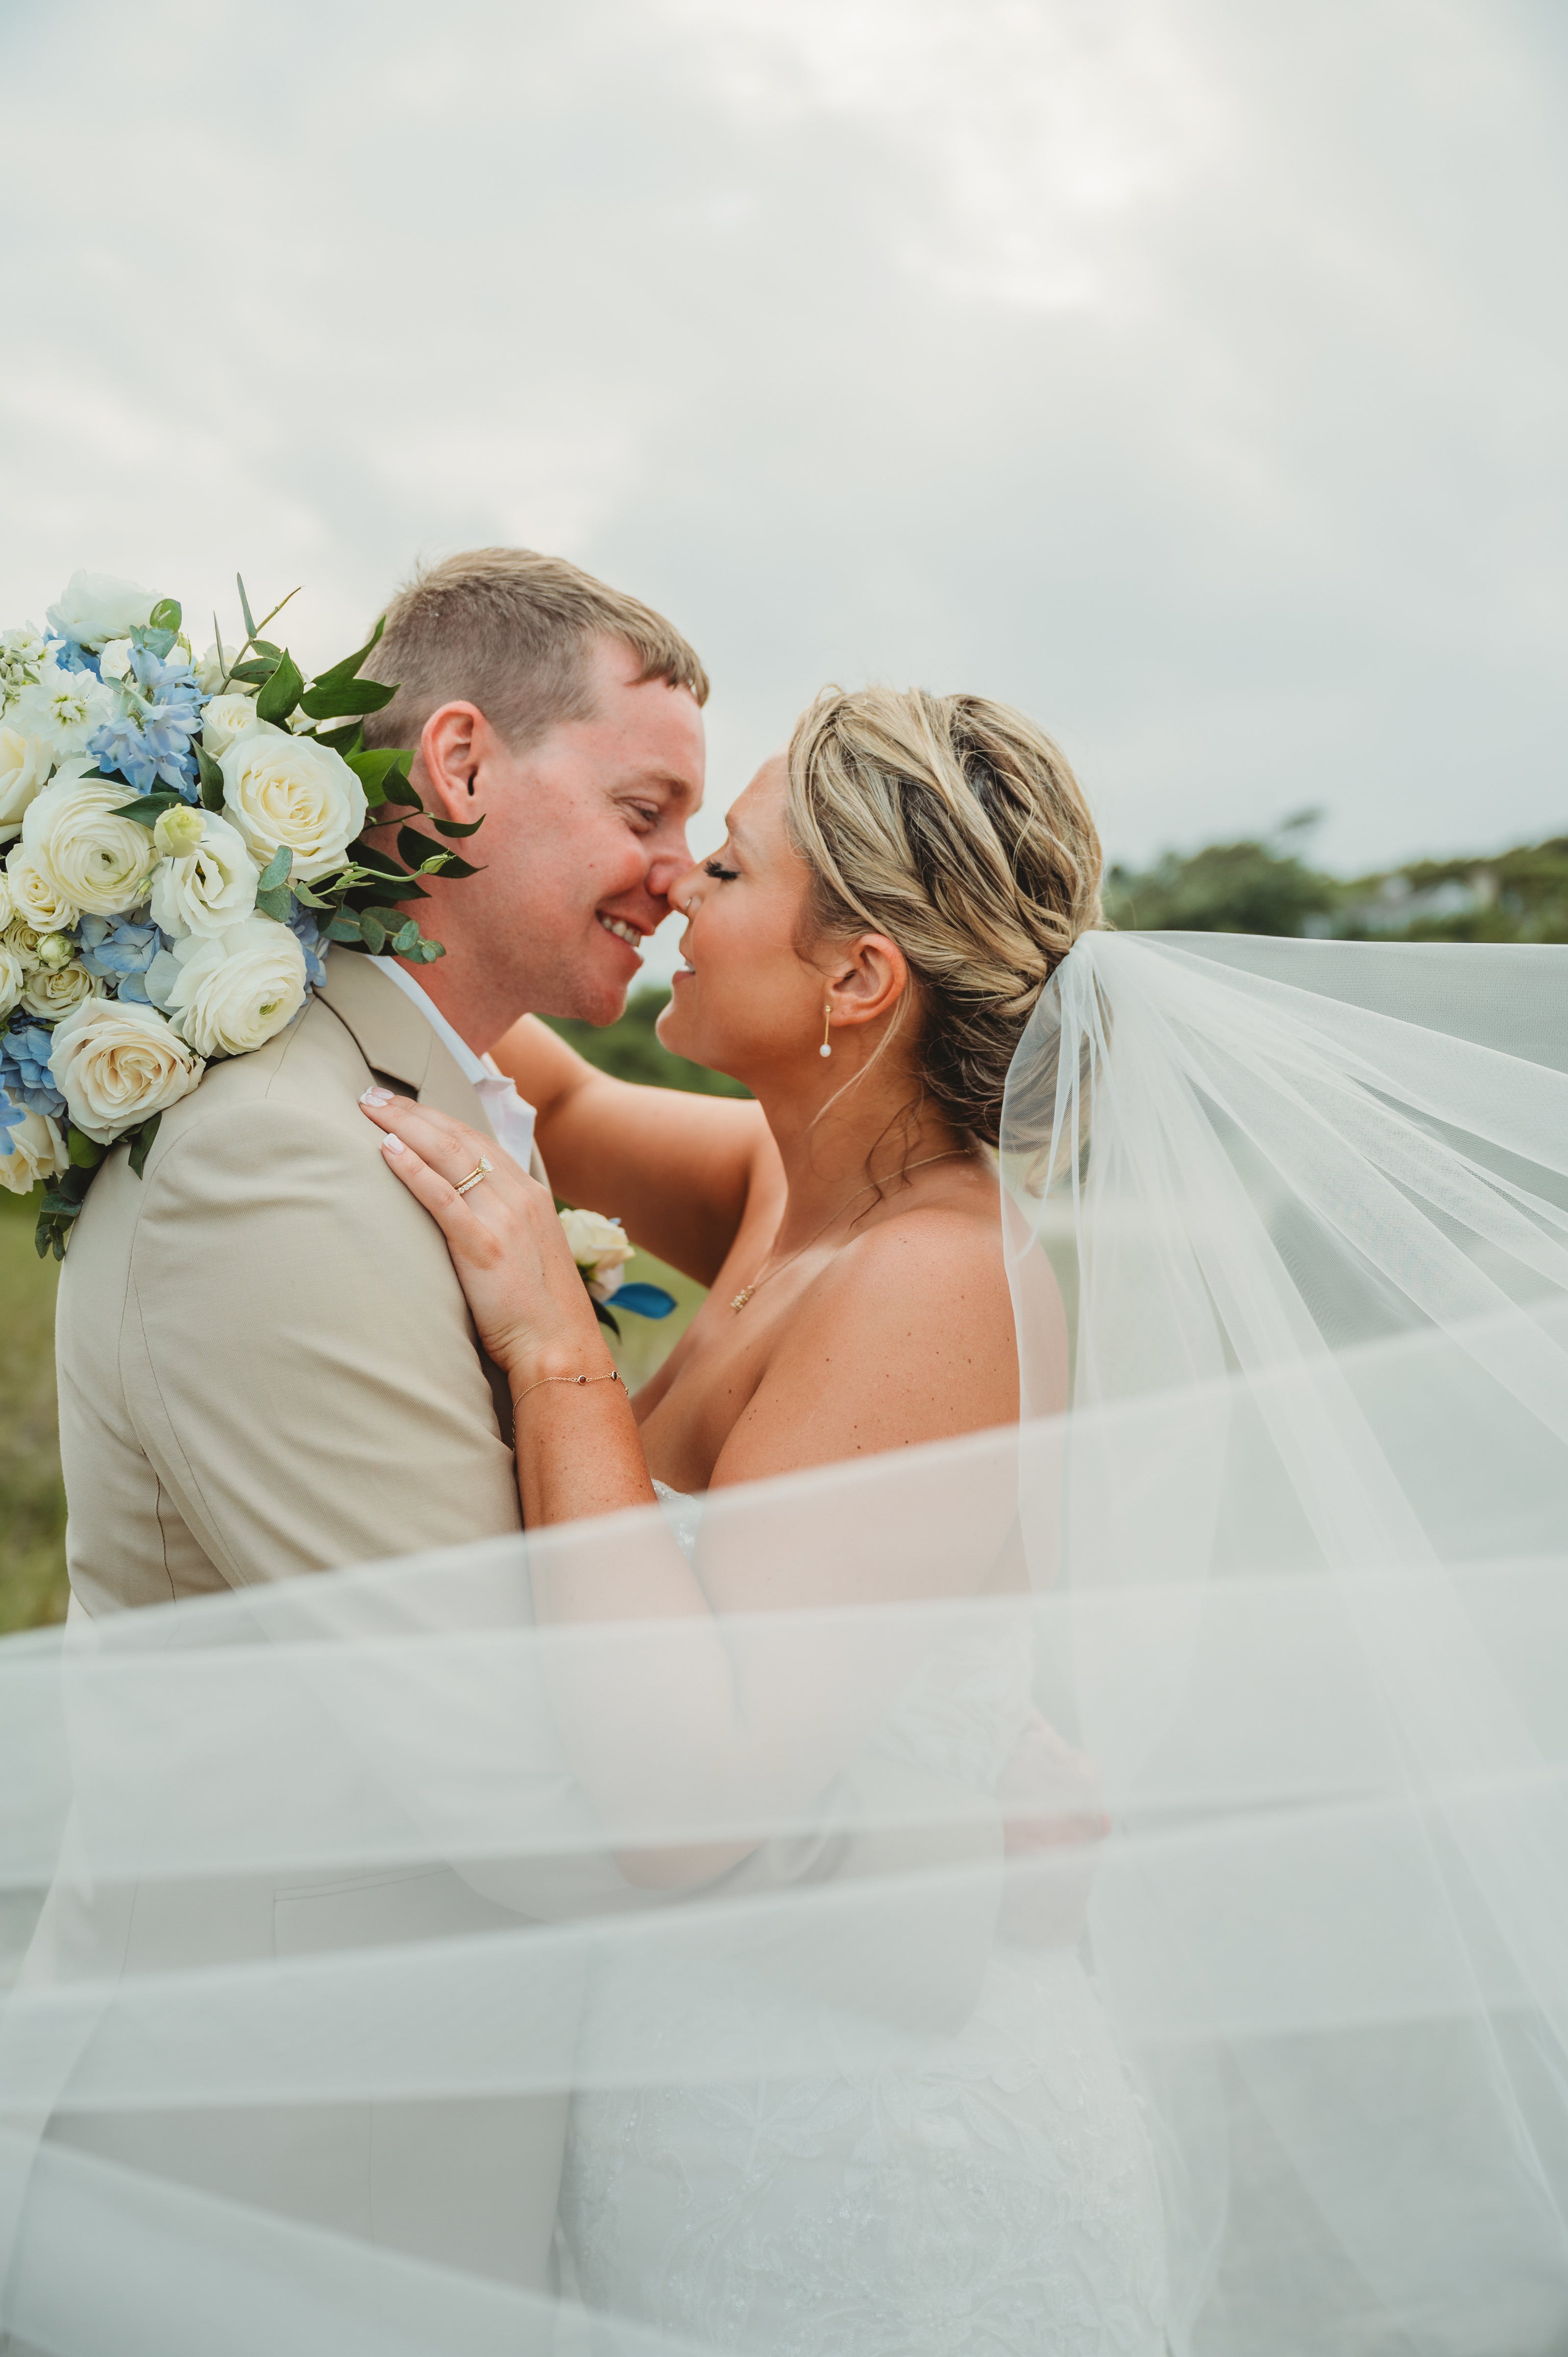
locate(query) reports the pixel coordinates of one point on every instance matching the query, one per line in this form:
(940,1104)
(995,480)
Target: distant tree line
(1266,886)
(1270,887)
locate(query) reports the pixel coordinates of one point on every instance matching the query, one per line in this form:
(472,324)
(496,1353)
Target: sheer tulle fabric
(1278,2067)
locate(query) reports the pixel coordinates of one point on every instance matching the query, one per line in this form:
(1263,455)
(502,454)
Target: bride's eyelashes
(719,872)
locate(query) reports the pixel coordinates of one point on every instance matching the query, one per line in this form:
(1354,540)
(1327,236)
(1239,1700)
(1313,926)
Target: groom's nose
(671,859)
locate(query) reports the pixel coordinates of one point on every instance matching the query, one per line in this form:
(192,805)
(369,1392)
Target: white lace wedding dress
(998,2200)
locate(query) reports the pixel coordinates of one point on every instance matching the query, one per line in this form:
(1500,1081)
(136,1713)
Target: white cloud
(1186,373)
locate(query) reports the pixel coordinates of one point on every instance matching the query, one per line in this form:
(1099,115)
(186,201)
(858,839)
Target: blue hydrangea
(120,950)
(302,924)
(25,1075)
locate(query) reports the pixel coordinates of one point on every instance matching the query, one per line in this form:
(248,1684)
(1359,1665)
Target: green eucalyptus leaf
(345,927)
(374,932)
(310,900)
(346,695)
(166,615)
(141,1144)
(278,697)
(406,938)
(149,808)
(347,740)
(348,667)
(277,869)
(212,778)
(275,904)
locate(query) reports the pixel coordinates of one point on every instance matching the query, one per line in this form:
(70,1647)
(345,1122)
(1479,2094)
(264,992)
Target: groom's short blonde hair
(510,630)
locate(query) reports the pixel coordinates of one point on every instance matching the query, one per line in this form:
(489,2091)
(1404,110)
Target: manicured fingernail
(392,1143)
(376,1097)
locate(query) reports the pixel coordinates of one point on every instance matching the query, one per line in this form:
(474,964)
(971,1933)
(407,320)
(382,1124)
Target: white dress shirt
(510,1115)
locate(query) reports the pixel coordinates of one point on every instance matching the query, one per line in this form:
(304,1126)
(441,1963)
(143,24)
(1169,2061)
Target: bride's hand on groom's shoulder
(511,1258)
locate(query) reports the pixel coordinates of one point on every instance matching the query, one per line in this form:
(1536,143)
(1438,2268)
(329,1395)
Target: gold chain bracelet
(611,1378)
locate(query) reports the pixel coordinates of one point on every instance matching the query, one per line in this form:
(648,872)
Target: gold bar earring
(827,1026)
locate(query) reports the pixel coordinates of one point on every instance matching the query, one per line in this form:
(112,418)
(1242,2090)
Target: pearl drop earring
(827,1026)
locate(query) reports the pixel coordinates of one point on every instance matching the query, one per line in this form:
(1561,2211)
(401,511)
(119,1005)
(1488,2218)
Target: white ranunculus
(50,992)
(35,898)
(229,993)
(213,668)
(212,888)
(74,839)
(97,608)
(224,717)
(14,976)
(600,1249)
(26,761)
(287,789)
(37,1152)
(114,662)
(117,1062)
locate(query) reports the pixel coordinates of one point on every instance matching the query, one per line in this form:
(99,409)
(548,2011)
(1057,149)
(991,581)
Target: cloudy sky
(1189,371)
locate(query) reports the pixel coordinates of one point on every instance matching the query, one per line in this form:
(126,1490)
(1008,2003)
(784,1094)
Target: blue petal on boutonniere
(644,1300)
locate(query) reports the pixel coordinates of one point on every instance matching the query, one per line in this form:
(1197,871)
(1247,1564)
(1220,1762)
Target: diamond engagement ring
(481,1169)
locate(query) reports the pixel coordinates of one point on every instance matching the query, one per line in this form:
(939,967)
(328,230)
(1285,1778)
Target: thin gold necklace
(744,1295)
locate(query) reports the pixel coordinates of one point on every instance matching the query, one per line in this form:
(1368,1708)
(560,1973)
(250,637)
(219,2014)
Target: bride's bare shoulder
(907,1337)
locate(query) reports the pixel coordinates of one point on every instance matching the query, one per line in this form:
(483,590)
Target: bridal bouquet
(185,834)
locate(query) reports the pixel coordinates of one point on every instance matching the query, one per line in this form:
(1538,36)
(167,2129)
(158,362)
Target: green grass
(32,1495)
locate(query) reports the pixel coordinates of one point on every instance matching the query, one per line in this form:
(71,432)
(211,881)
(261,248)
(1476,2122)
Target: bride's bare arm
(677,1170)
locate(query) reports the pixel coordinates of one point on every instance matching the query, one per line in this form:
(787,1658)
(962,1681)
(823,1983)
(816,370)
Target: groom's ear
(453,746)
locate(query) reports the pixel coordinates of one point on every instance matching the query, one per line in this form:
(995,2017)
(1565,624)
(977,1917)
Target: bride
(864,952)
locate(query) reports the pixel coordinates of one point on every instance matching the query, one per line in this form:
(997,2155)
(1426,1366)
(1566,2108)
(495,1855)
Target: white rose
(13,975)
(38,903)
(19,935)
(223,718)
(210,890)
(92,859)
(117,1064)
(7,906)
(25,765)
(114,662)
(229,993)
(287,790)
(50,992)
(213,668)
(97,608)
(37,1152)
(600,1249)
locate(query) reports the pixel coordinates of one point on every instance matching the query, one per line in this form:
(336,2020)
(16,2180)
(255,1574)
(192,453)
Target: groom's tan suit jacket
(267,1368)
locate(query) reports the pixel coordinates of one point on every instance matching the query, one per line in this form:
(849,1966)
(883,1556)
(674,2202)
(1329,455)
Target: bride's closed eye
(721,874)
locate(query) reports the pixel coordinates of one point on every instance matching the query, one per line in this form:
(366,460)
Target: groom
(266,1366)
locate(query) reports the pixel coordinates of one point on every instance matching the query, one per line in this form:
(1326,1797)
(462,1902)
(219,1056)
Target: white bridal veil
(1290,1570)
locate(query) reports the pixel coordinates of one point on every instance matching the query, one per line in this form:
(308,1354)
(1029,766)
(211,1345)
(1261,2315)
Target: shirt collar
(510,1115)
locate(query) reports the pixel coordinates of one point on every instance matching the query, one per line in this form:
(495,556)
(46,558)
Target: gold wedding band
(481,1169)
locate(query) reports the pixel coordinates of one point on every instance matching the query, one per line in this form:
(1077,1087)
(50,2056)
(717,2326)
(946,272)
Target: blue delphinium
(302,924)
(120,950)
(25,1075)
(151,744)
(71,657)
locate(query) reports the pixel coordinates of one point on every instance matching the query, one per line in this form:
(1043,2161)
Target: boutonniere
(601,1248)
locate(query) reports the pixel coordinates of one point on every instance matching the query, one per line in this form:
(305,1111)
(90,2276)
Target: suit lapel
(395,1038)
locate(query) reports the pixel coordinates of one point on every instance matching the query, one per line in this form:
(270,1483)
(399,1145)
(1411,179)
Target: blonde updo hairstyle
(956,827)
